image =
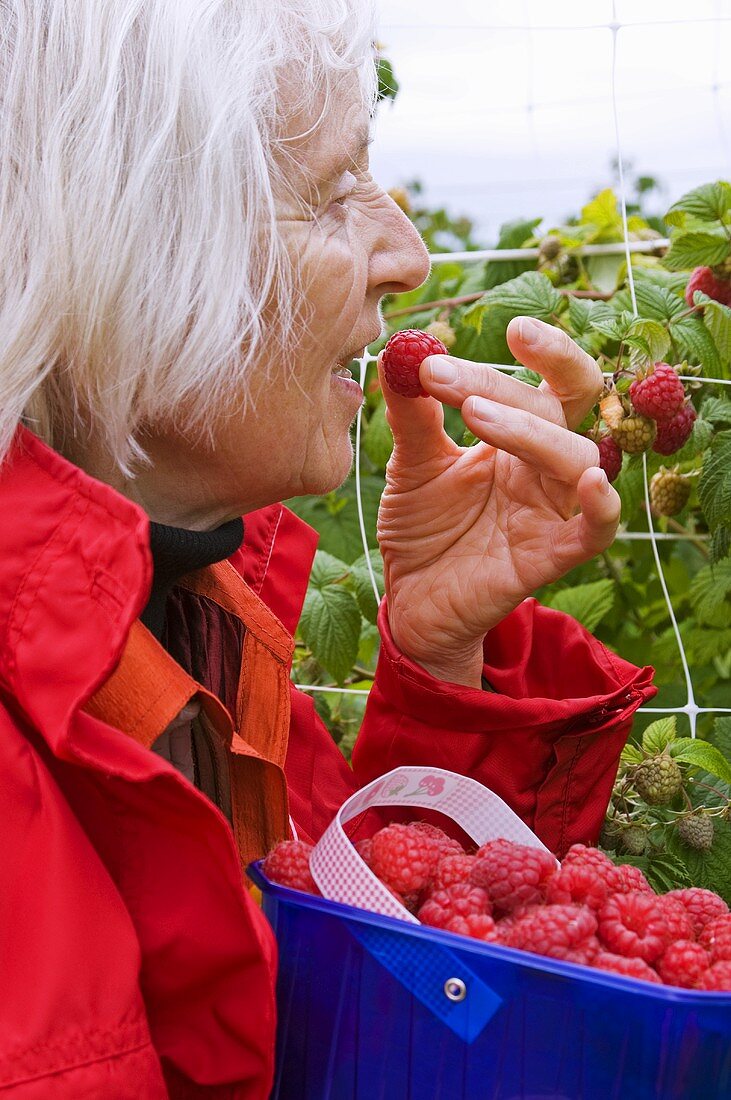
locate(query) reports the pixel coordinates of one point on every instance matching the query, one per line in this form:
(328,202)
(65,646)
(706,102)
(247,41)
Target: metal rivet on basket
(455,989)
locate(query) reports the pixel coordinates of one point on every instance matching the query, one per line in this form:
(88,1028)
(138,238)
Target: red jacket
(133,961)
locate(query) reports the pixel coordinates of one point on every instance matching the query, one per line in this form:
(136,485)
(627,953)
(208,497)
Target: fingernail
(604,485)
(530,331)
(441,370)
(483,409)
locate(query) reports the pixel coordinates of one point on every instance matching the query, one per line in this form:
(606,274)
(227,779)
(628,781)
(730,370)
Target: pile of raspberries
(587,910)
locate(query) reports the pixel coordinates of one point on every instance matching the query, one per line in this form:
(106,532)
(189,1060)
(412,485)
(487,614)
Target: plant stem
(465,299)
(684,531)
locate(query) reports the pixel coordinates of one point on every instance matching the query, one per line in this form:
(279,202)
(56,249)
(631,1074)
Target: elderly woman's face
(352,245)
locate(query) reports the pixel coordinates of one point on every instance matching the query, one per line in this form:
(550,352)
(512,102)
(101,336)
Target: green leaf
(658,735)
(512,235)
(665,871)
(531,294)
(588,603)
(650,337)
(708,592)
(364,586)
(377,438)
(327,569)
(701,754)
(709,870)
(695,343)
(335,516)
(388,85)
(603,212)
(330,625)
(720,736)
(717,319)
(708,203)
(631,754)
(717,410)
(697,248)
(630,484)
(657,302)
(604,271)
(714,488)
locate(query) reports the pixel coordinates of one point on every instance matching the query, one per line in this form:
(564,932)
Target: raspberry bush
(680,429)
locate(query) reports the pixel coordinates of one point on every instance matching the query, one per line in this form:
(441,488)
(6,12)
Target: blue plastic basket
(372,1008)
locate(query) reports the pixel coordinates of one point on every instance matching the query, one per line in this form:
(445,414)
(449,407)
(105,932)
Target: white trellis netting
(690,708)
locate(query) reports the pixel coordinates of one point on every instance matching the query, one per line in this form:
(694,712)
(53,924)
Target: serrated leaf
(697,248)
(327,569)
(658,302)
(335,515)
(330,625)
(630,484)
(709,870)
(377,438)
(714,488)
(604,271)
(701,754)
(717,410)
(704,643)
(667,872)
(695,343)
(579,315)
(720,736)
(603,212)
(513,234)
(709,202)
(708,591)
(658,735)
(531,294)
(364,586)
(717,319)
(631,754)
(650,337)
(588,603)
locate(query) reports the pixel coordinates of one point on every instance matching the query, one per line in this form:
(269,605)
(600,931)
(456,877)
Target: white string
(358,493)
(612,249)
(620,161)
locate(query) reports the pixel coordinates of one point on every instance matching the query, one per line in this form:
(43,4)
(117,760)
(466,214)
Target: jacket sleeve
(547,740)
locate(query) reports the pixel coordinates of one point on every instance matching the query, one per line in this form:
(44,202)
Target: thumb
(417,424)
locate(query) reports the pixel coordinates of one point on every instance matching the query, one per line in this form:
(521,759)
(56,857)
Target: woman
(193,247)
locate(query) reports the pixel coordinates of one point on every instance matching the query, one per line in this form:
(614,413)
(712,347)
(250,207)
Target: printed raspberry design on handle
(432,784)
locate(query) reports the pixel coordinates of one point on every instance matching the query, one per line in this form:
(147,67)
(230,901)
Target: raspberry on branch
(403,355)
(443,331)
(704,279)
(669,492)
(610,457)
(696,831)
(658,779)
(659,394)
(675,433)
(635,434)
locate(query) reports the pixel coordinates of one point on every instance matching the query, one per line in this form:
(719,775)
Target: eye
(345,187)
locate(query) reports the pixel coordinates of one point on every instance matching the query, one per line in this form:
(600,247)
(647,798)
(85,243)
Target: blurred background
(504,108)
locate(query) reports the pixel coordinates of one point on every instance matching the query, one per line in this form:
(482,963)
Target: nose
(399,260)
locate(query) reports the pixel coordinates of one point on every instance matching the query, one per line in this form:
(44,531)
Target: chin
(333,472)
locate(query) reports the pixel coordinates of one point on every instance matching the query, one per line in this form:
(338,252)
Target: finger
(553,450)
(594,529)
(417,425)
(570,374)
(453,380)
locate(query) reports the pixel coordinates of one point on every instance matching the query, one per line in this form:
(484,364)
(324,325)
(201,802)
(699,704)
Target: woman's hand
(467,533)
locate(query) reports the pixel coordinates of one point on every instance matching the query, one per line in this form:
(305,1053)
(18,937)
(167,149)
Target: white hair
(138,168)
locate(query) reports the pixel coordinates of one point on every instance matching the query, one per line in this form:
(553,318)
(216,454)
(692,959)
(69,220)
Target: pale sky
(505,111)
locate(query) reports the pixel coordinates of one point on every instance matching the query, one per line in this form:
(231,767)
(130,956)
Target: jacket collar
(76,570)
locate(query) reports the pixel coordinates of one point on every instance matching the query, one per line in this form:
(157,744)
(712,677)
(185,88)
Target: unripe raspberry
(705,280)
(440,330)
(659,395)
(669,492)
(658,780)
(610,457)
(403,355)
(549,247)
(635,434)
(672,435)
(697,831)
(634,840)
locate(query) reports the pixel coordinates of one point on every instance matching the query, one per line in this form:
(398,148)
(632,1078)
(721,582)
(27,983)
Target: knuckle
(587,452)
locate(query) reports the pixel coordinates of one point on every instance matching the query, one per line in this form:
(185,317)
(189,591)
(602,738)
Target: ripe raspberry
(610,457)
(634,434)
(479,926)
(669,492)
(633,840)
(627,879)
(628,967)
(633,924)
(658,779)
(717,979)
(553,930)
(585,953)
(659,394)
(403,858)
(459,900)
(683,963)
(403,355)
(513,874)
(716,938)
(680,926)
(580,855)
(696,831)
(447,845)
(451,869)
(703,906)
(704,279)
(672,435)
(289,865)
(364,848)
(581,885)
(440,330)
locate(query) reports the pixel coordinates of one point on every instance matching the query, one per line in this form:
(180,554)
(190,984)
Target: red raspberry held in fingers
(451,869)
(582,885)
(716,938)
(680,926)
(658,395)
(683,963)
(460,900)
(626,878)
(717,979)
(553,930)
(403,355)
(479,926)
(634,924)
(704,279)
(675,433)
(403,858)
(628,967)
(610,457)
(513,874)
(702,905)
(289,865)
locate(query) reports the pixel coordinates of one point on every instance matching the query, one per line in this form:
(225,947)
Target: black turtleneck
(175,552)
